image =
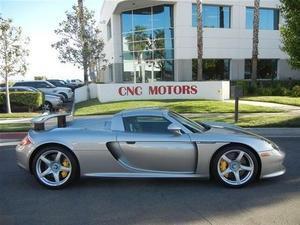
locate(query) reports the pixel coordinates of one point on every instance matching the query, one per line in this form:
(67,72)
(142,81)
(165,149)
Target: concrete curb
(11,138)
(9,143)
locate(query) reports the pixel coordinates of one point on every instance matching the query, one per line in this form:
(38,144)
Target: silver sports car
(148,142)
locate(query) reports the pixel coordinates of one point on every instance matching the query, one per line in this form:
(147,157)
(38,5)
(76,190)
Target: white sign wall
(215,90)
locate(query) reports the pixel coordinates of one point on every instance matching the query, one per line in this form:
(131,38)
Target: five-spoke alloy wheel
(235,166)
(54,167)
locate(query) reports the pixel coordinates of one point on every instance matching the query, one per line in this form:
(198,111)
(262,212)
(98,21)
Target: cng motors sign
(158,90)
(217,90)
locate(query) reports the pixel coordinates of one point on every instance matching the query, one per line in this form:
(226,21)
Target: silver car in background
(48,88)
(148,142)
(52,102)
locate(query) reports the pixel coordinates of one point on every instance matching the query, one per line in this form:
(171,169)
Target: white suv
(48,88)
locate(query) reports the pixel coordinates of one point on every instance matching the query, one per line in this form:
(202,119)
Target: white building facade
(154,40)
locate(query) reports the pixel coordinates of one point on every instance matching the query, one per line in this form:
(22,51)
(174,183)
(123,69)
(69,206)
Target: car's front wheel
(235,166)
(54,167)
(47,106)
(65,96)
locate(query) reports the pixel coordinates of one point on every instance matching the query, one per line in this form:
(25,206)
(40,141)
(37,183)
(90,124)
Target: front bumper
(272,163)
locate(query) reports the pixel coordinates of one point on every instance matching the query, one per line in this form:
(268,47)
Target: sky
(39,19)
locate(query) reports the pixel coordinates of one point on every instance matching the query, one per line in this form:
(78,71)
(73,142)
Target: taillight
(25,141)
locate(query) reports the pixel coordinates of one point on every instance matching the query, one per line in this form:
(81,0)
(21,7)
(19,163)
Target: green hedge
(270,88)
(27,101)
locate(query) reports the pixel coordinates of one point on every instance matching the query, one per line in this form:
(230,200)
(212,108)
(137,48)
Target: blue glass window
(163,44)
(142,19)
(126,21)
(148,44)
(268,18)
(164,54)
(163,33)
(213,16)
(162,16)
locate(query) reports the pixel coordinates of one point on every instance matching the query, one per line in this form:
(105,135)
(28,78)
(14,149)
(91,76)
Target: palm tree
(255,42)
(199,41)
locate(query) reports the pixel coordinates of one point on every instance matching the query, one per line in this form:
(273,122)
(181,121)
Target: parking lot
(150,201)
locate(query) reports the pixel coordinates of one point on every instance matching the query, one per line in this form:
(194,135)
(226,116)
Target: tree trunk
(255,42)
(199,41)
(83,40)
(8,108)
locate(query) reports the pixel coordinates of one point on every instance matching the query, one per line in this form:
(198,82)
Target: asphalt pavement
(150,201)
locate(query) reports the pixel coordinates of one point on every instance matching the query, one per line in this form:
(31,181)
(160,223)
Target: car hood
(52,96)
(63,88)
(231,131)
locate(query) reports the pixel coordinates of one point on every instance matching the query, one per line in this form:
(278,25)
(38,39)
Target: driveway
(150,201)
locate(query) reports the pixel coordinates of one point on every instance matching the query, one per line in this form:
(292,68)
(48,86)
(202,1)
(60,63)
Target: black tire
(48,106)
(230,180)
(74,173)
(65,96)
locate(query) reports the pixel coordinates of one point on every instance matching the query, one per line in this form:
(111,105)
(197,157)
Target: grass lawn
(17,115)
(94,107)
(276,99)
(15,127)
(259,121)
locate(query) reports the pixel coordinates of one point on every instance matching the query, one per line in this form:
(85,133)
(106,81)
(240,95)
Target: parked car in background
(61,97)
(48,88)
(52,102)
(77,82)
(62,83)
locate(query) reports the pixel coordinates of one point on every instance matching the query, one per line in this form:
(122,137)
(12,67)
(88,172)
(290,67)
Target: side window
(42,85)
(32,84)
(146,124)
(25,84)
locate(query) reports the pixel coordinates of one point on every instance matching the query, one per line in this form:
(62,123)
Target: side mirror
(175,129)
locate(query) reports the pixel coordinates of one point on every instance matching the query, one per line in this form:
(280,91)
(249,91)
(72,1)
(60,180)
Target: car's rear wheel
(54,167)
(235,166)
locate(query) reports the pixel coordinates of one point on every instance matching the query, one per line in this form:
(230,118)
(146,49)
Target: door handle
(130,142)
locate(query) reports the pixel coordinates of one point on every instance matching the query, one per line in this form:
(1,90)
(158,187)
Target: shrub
(270,88)
(296,91)
(27,101)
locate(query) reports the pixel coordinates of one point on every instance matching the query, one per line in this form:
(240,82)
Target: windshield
(189,124)
(51,85)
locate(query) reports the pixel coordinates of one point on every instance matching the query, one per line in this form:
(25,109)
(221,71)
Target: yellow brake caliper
(65,163)
(223,166)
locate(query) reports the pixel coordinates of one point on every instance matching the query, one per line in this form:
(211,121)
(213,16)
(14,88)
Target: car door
(147,145)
